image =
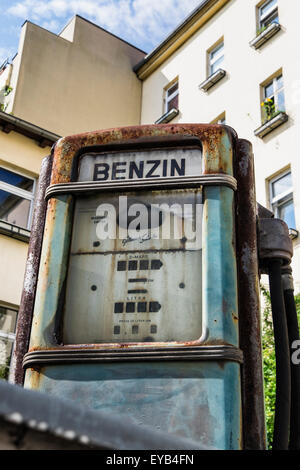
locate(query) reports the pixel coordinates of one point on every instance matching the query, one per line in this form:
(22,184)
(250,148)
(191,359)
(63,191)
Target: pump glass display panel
(135,268)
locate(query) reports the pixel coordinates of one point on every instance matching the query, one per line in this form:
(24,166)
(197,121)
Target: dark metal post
(31,274)
(249,301)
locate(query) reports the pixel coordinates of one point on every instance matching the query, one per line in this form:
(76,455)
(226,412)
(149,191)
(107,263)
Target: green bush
(4,370)
(269,362)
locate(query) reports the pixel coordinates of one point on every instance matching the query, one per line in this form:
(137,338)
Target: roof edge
(13,123)
(109,32)
(186,26)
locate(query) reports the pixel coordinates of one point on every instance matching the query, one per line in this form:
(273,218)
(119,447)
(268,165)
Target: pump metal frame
(228,164)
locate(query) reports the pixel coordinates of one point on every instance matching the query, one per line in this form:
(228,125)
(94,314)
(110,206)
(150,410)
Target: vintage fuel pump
(147,298)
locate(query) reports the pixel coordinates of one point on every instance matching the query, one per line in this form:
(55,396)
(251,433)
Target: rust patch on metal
(31,274)
(213,138)
(35,378)
(249,310)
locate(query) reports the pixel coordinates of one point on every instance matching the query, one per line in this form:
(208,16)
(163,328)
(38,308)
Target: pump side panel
(200,401)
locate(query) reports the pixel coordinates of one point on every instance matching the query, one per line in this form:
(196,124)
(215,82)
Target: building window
(171,97)
(216,58)
(221,119)
(281,198)
(8,320)
(273,95)
(16,198)
(267,14)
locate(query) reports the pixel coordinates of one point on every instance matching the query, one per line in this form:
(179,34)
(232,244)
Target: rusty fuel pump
(141,294)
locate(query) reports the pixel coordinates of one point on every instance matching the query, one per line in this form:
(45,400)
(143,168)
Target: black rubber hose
(293,333)
(282,353)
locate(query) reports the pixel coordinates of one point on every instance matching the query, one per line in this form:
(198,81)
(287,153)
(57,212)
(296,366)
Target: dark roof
(10,123)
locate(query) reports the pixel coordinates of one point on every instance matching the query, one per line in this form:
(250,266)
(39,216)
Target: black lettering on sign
(139,171)
(101,169)
(121,266)
(165,166)
(155,164)
(154,306)
(156,264)
(144,264)
(152,169)
(130,307)
(116,170)
(119,306)
(132,265)
(137,291)
(180,169)
(142,307)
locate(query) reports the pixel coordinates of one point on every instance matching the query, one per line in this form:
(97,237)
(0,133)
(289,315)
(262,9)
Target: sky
(143,23)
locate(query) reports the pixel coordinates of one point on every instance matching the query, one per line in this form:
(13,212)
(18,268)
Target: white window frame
(10,336)
(213,60)
(28,195)
(262,17)
(221,119)
(169,98)
(276,92)
(285,196)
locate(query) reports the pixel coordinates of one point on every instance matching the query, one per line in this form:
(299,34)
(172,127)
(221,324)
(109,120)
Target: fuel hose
(282,353)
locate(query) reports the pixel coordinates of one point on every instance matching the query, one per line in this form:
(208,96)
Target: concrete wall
(79,81)
(239,93)
(23,155)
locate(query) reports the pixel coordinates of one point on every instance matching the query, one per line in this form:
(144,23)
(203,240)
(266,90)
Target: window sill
(212,80)
(270,125)
(167,117)
(293,233)
(14,231)
(263,37)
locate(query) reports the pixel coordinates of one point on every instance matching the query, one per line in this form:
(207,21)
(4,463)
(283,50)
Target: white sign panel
(138,165)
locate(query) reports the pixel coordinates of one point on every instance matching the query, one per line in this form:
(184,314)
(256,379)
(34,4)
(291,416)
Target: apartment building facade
(79,80)
(232,62)
(22,148)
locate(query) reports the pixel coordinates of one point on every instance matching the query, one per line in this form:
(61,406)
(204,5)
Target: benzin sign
(140,165)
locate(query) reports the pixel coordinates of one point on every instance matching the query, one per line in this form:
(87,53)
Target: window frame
(219,45)
(263,17)
(167,98)
(282,198)
(276,90)
(220,119)
(23,193)
(11,336)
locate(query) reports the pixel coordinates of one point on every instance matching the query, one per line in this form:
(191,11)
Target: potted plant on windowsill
(269,110)
(265,33)
(271,118)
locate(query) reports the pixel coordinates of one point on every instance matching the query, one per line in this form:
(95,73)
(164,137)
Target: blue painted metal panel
(219,267)
(53,268)
(197,400)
